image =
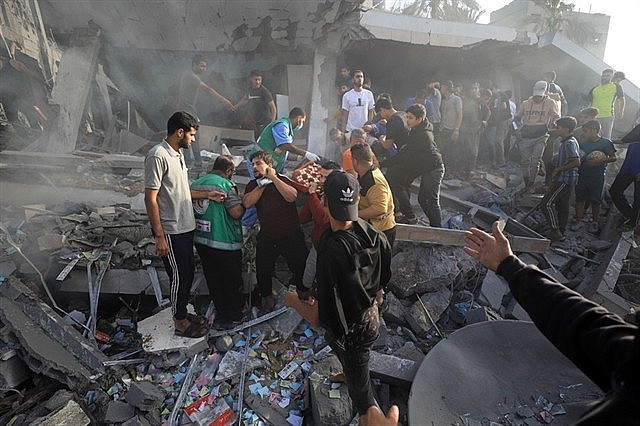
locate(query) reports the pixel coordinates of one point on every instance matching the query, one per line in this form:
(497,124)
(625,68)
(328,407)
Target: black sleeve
(396,129)
(596,340)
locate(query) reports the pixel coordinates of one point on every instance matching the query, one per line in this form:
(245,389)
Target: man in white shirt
(357,105)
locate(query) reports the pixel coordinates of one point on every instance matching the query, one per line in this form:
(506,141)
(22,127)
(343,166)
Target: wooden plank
(455,237)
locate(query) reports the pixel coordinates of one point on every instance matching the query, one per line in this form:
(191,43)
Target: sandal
(197,319)
(192,331)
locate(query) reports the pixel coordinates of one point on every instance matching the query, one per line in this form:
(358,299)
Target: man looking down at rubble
(219,240)
(353,265)
(277,139)
(601,344)
(167,199)
(274,197)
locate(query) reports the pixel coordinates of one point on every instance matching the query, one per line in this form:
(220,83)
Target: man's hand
(162,248)
(490,250)
(217,196)
(269,173)
(228,105)
(313,187)
(455,135)
(311,156)
(375,417)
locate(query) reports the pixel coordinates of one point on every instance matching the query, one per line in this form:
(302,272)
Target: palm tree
(556,17)
(447,10)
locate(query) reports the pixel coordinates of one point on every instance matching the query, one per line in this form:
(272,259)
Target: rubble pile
(101,290)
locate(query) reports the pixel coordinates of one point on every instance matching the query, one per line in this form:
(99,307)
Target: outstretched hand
(375,417)
(490,250)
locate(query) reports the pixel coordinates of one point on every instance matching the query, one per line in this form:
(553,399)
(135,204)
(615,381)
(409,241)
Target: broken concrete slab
(493,290)
(231,365)
(393,370)
(13,371)
(605,291)
(455,237)
(119,412)
(145,395)
(409,351)
(286,323)
(71,414)
(436,303)
(326,410)
(395,310)
(427,269)
(158,335)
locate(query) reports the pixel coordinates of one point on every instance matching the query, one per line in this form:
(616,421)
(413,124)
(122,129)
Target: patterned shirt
(569,150)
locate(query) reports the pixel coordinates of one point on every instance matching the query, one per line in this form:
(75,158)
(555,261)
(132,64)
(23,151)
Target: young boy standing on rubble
(353,264)
(555,203)
(591,173)
(167,198)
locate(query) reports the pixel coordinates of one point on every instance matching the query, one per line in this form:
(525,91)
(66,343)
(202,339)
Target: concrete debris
(158,335)
(144,395)
(231,365)
(71,414)
(392,369)
(327,410)
(119,412)
(13,371)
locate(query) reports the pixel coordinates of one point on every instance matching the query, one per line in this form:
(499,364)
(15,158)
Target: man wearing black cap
(353,264)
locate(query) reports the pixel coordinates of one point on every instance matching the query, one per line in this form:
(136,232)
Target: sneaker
(408,220)
(593,227)
(556,235)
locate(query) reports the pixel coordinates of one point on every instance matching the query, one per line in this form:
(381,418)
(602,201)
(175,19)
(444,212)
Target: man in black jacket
(419,156)
(354,263)
(598,342)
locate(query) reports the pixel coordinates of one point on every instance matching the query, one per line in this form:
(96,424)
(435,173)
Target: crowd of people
(340,277)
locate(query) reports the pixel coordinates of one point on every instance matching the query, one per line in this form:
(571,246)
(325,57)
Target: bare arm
(251,198)
(218,196)
(153,212)
(370,115)
(344,119)
(288,192)
(619,107)
(272,110)
(214,94)
(292,149)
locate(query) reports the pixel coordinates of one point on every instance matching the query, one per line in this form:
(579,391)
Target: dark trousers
(557,199)
(353,351)
(429,196)
(293,249)
(391,235)
(179,265)
(223,271)
(619,185)
(400,177)
(450,150)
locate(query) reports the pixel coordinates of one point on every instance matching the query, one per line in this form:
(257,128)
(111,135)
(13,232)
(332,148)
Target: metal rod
(429,315)
(186,385)
(242,377)
(251,323)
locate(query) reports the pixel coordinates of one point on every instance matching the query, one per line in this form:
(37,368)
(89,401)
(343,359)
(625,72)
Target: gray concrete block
(158,335)
(325,410)
(392,369)
(396,310)
(145,395)
(410,351)
(286,323)
(70,414)
(436,303)
(118,412)
(493,290)
(231,365)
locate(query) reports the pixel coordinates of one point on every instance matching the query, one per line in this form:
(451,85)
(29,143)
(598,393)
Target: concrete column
(71,91)
(323,99)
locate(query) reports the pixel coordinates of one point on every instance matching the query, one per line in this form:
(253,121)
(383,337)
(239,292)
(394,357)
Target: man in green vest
(218,239)
(608,97)
(277,139)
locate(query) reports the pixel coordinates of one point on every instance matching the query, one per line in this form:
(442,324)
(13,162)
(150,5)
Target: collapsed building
(90,90)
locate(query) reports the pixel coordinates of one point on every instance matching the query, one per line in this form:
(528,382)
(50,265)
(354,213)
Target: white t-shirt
(358,105)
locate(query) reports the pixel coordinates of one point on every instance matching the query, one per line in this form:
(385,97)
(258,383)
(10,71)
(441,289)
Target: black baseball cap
(341,190)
